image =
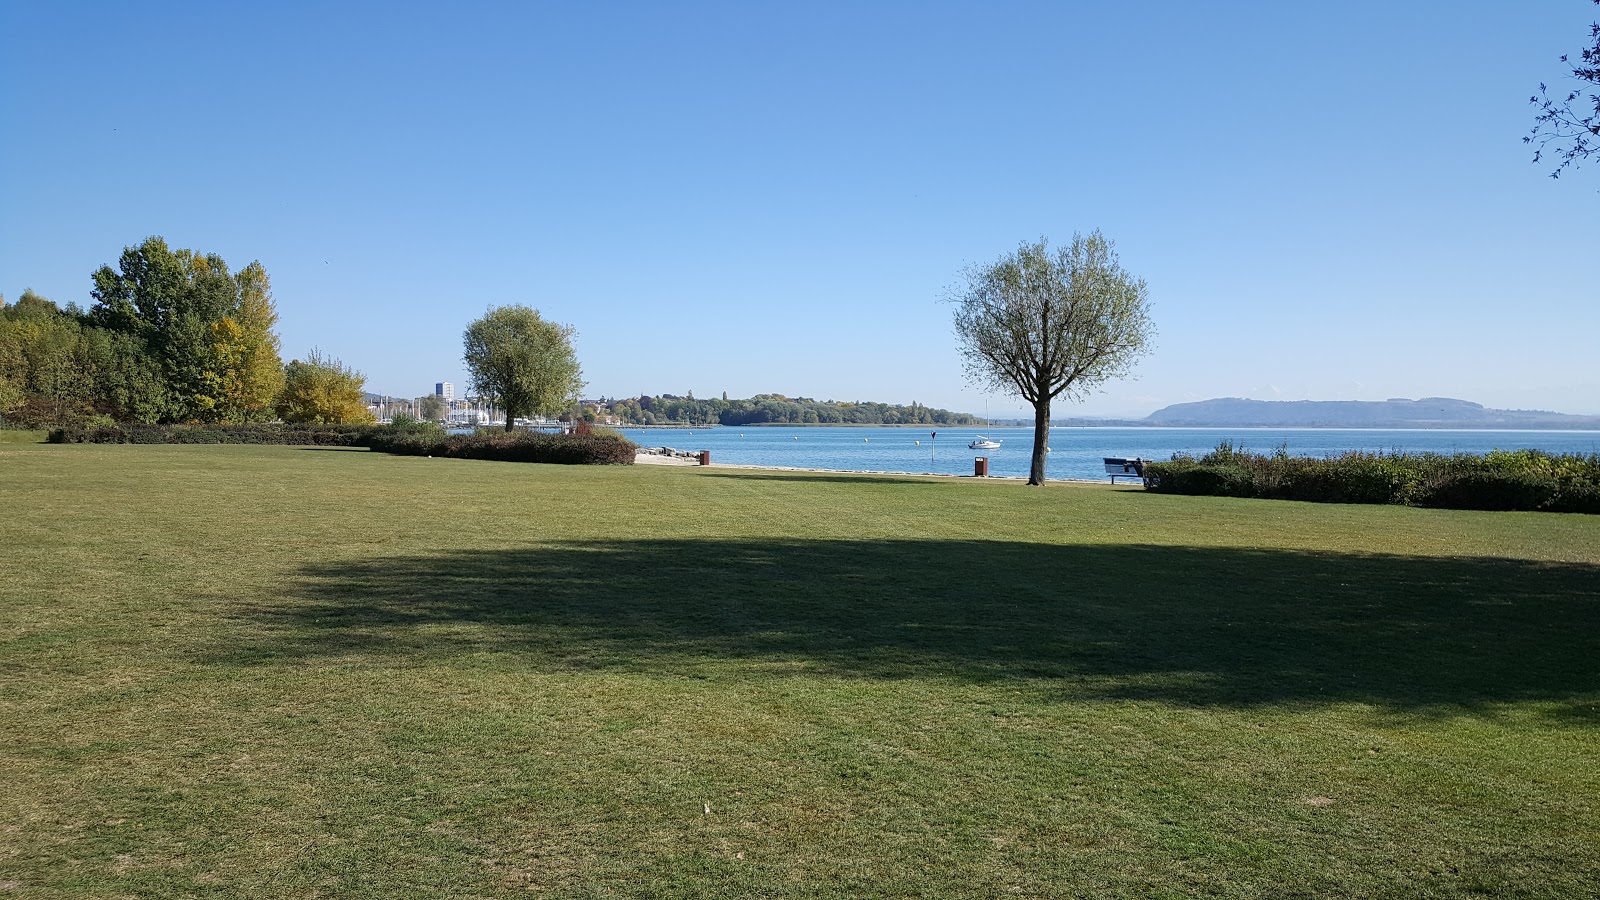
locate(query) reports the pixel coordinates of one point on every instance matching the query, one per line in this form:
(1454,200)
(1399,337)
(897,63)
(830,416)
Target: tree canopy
(210,330)
(321,390)
(55,369)
(171,336)
(1570,127)
(522,363)
(1039,324)
(431,408)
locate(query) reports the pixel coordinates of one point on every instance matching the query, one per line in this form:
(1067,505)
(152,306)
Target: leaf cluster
(1571,123)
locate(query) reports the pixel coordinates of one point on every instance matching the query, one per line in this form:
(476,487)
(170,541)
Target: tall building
(445,390)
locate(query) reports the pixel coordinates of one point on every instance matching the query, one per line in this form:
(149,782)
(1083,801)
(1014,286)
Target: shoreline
(1085,427)
(651,459)
(805,425)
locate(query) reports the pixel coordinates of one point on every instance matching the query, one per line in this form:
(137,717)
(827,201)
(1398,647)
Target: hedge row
(1501,480)
(412,439)
(516,446)
(322,435)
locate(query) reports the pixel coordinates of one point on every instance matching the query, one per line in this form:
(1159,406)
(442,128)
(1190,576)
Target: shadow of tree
(1177,624)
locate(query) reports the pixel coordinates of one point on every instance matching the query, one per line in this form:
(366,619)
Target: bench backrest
(1129,467)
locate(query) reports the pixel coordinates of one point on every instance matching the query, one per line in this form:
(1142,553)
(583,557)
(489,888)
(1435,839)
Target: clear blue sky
(1329,201)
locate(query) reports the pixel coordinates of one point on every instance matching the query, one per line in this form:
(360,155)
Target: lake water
(1075,452)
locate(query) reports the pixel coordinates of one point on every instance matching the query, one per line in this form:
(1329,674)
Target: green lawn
(279,672)
(21,436)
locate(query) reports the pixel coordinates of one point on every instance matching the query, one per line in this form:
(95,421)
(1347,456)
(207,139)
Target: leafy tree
(128,381)
(431,408)
(1573,130)
(321,390)
(11,396)
(58,369)
(522,363)
(1041,325)
(246,375)
(30,306)
(13,367)
(210,330)
(45,377)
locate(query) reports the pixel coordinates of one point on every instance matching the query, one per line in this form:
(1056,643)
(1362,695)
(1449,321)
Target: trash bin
(980,466)
(705,457)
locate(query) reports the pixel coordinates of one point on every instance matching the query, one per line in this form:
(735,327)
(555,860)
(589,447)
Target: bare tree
(1040,324)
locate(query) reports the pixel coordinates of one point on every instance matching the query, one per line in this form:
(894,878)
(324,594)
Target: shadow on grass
(1183,625)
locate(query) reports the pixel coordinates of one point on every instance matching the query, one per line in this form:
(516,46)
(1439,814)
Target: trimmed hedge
(408,439)
(1488,489)
(315,435)
(1502,480)
(516,446)
(1185,476)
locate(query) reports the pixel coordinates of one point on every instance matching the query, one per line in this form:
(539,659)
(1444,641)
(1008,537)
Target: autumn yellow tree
(246,376)
(320,390)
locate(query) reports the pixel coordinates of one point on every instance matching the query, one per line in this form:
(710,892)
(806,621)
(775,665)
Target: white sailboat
(983,443)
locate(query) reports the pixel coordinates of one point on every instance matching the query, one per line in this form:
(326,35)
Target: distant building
(445,390)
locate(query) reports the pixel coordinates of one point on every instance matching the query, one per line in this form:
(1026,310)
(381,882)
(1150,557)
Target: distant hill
(1429,412)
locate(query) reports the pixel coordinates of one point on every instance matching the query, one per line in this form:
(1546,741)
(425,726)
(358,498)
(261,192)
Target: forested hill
(776,409)
(1429,412)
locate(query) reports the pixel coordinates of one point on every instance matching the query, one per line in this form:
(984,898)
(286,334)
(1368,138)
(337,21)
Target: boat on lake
(983,443)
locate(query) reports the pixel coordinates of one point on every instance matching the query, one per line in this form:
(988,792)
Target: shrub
(1490,489)
(520,446)
(408,424)
(325,435)
(1351,478)
(1189,477)
(405,443)
(1501,480)
(1575,496)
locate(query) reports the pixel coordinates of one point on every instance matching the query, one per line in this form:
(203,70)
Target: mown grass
(265,671)
(21,436)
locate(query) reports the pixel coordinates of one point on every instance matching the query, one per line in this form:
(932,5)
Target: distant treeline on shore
(777,409)
(1429,412)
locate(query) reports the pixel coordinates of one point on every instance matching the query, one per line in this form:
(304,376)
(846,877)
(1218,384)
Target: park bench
(1119,467)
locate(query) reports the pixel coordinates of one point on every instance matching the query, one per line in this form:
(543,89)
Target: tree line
(776,409)
(171,336)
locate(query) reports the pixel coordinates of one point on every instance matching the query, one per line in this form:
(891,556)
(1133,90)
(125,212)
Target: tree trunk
(1041,440)
(511,419)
